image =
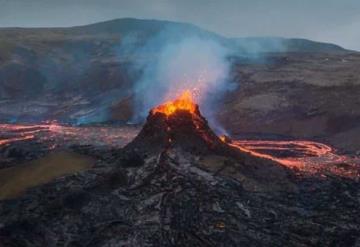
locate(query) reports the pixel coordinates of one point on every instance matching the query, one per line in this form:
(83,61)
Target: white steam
(193,63)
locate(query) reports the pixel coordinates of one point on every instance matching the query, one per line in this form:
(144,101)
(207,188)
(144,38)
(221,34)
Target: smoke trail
(195,63)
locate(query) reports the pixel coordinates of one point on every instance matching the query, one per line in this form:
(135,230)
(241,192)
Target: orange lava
(300,155)
(15,139)
(222,138)
(306,156)
(56,135)
(184,102)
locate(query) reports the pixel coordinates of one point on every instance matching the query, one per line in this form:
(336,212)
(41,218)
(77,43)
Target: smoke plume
(196,63)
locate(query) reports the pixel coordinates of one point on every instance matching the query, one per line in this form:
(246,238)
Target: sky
(334,21)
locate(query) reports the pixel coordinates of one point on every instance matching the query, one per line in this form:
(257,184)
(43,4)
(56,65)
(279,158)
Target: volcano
(178,124)
(178,184)
(177,128)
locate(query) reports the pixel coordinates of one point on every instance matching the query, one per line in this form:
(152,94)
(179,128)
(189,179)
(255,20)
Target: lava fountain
(177,123)
(184,102)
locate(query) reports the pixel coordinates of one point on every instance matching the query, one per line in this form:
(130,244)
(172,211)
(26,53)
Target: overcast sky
(335,21)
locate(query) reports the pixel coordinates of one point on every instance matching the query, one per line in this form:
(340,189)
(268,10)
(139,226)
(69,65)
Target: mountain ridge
(128,25)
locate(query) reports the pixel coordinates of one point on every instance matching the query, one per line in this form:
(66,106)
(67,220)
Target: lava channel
(306,156)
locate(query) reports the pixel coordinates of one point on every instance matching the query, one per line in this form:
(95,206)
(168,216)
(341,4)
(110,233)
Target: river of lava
(306,156)
(299,155)
(56,135)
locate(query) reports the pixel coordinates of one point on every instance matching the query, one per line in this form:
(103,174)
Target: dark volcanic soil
(301,95)
(156,193)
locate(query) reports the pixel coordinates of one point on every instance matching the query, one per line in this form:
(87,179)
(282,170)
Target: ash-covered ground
(175,184)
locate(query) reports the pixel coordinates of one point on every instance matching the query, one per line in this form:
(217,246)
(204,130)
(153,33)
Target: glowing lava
(15,139)
(306,156)
(184,102)
(56,135)
(300,155)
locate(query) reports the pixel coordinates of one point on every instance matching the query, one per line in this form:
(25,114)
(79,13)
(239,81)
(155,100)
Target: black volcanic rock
(185,130)
(172,201)
(175,196)
(188,134)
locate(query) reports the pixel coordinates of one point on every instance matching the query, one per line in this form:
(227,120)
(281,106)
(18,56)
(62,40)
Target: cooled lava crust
(189,133)
(182,129)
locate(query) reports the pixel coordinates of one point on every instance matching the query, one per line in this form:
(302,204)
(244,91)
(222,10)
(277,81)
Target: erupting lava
(180,123)
(177,123)
(184,102)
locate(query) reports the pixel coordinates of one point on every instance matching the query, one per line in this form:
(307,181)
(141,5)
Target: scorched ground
(178,184)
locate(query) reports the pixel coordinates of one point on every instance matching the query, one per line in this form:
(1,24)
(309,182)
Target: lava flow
(180,121)
(56,135)
(306,156)
(184,102)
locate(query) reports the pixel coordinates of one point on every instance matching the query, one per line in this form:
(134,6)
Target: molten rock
(177,129)
(181,129)
(178,184)
(177,124)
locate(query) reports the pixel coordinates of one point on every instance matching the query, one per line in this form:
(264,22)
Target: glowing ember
(223,138)
(184,102)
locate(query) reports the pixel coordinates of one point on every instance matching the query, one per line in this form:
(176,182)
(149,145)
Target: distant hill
(35,61)
(67,58)
(118,28)
(145,29)
(277,44)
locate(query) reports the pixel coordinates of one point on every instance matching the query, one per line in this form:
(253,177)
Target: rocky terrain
(291,88)
(178,184)
(303,95)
